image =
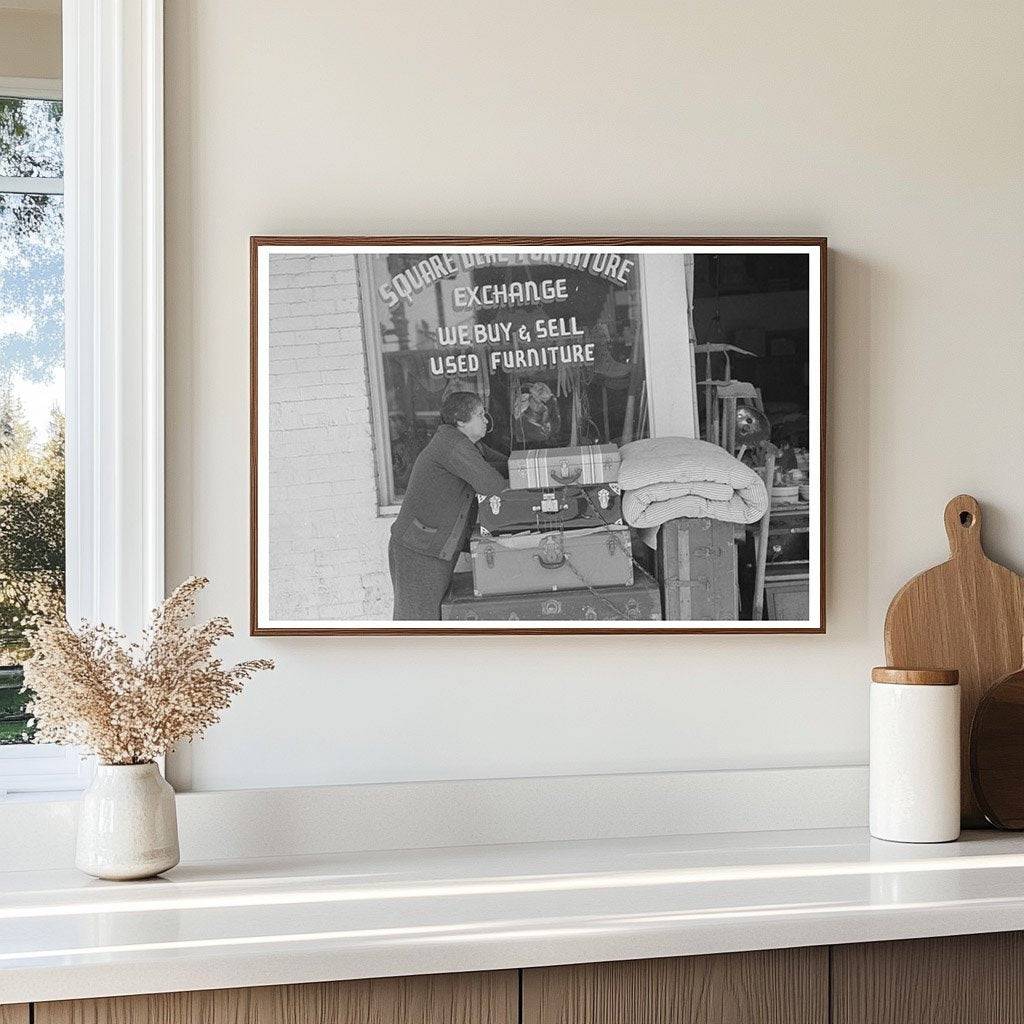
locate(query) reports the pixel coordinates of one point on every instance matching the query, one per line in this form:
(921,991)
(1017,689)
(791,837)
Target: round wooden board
(997,752)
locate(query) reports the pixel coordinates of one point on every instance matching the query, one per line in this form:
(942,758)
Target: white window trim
(377,391)
(114,322)
(113,169)
(43,769)
(32,88)
(32,186)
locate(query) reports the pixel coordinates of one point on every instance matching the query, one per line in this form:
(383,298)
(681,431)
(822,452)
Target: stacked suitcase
(553,546)
(697,565)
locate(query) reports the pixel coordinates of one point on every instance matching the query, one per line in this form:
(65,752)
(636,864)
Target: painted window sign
(547,339)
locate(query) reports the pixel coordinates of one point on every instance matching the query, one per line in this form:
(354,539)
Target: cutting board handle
(963,526)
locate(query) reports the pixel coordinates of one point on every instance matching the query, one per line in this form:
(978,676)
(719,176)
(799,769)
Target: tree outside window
(32,556)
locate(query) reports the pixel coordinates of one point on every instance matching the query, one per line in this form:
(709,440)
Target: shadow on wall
(854,289)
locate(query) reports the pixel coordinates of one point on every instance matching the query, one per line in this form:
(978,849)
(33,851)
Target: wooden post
(762,536)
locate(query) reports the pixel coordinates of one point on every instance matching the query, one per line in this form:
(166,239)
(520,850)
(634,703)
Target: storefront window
(552,342)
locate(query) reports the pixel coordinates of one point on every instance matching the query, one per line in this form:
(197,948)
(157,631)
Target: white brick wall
(328,545)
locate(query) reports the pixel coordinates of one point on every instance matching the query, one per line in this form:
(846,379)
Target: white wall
(30,40)
(895,129)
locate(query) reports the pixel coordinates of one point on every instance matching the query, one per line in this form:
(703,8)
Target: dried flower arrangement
(130,703)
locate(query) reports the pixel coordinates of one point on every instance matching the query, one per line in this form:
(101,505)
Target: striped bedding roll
(667,478)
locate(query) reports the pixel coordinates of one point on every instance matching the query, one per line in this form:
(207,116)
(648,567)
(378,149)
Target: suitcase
(532,563)
(570,508)
(697,567)
(556,467)
(641,601)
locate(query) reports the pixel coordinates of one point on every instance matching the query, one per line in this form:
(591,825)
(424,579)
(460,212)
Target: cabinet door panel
(14,1013)
(776,986)
(960,979)
(480,998)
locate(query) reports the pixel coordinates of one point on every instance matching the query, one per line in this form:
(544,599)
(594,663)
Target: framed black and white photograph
(537,435)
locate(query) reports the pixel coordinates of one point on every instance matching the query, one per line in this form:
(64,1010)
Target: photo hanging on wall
(537,435)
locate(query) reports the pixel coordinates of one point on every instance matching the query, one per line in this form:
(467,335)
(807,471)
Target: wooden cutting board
(967,614)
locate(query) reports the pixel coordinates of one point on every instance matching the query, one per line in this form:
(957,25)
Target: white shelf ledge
(352,915)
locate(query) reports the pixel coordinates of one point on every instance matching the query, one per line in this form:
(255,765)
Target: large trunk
(697,567)
(641,601)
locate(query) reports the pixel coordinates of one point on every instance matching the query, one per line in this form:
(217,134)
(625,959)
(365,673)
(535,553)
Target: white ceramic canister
(915,755)
(127,825)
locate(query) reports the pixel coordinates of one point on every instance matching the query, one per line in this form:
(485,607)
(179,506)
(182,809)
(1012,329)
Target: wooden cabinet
(968,979)
(962,979)
(775,986)
(481,998)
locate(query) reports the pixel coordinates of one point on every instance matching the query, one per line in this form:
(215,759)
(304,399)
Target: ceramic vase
(127,825)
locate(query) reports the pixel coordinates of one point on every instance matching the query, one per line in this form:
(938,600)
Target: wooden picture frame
(357,344)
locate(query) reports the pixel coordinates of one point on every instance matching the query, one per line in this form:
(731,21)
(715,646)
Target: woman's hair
(459,407)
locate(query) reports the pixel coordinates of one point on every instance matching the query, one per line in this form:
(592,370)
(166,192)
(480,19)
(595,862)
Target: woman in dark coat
(439,504)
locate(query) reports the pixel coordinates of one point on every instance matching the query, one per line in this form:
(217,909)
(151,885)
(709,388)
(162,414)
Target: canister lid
(916,676)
